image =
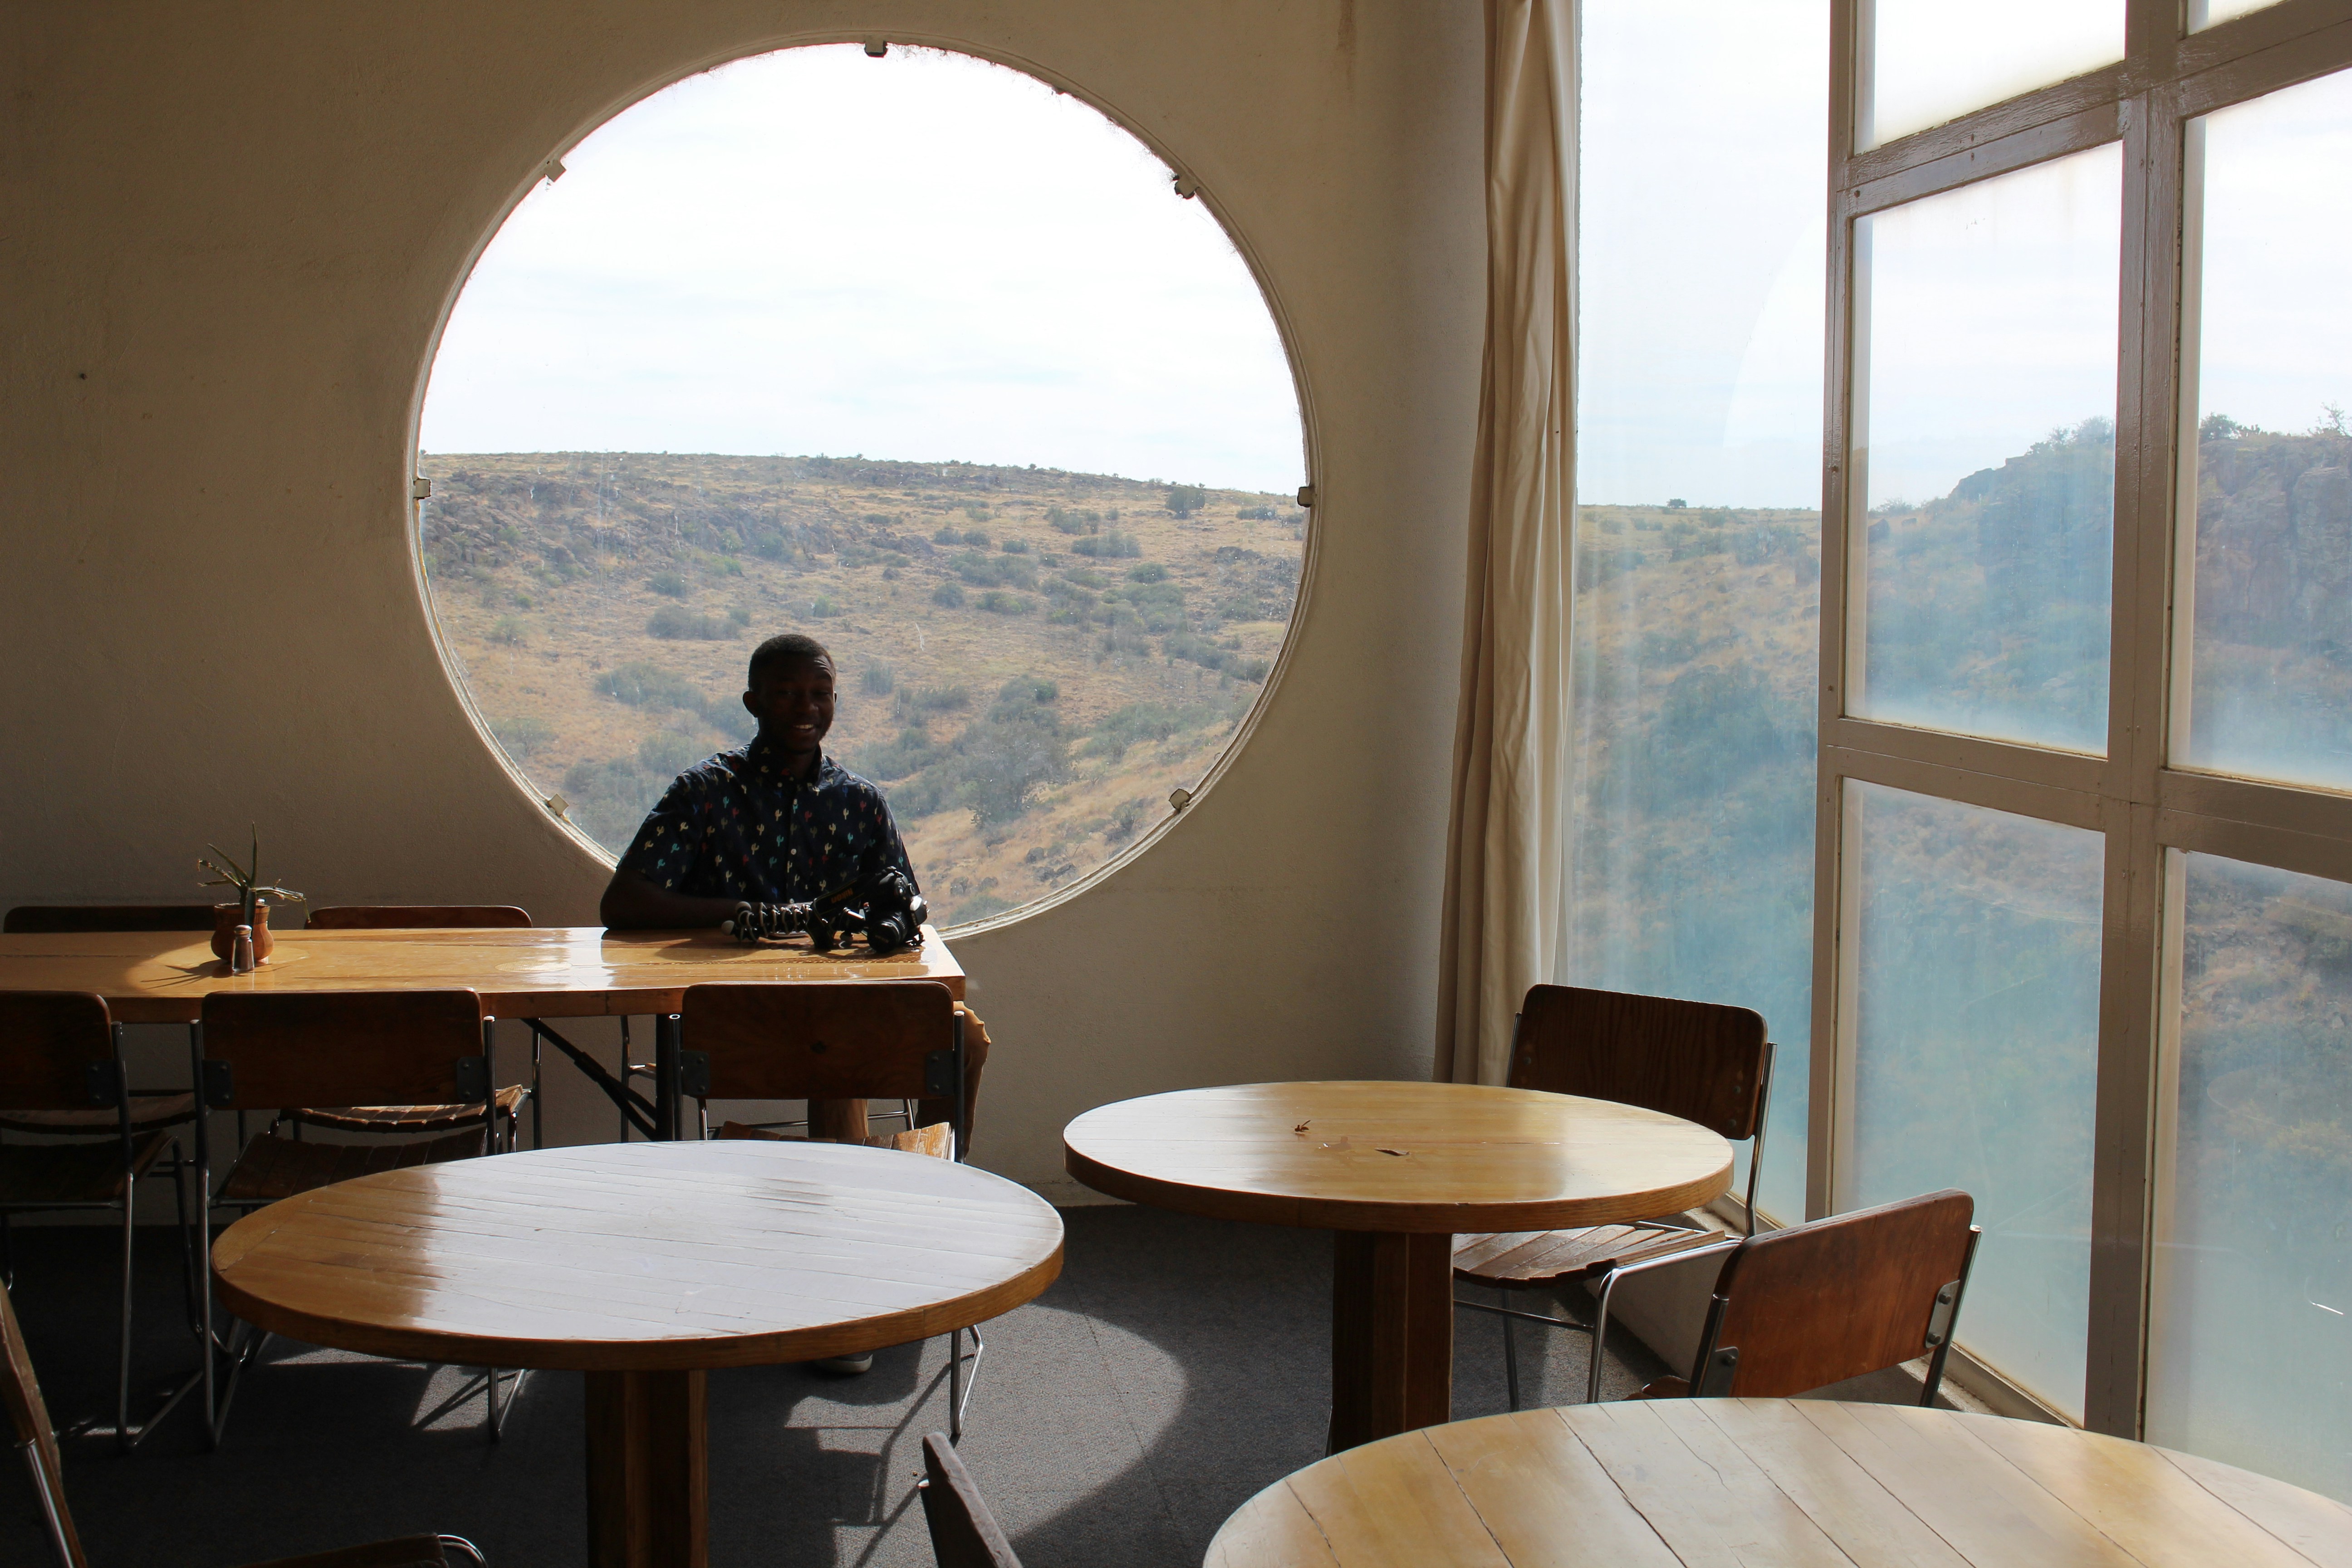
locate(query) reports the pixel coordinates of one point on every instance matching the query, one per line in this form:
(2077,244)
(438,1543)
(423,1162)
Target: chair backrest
(1699,1061)
(266,1052)
(964,1534)
(59,1051)
(20,1393)
(27,920)
(1818,1303)
(400,917)
(880,1039)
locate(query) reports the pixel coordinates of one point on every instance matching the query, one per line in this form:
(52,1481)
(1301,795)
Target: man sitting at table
(776,821)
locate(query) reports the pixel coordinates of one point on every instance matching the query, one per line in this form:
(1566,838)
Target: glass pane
(1927,61)
(2203,14)
(2251,1354)
(1976,1042)
(1698,474)
(908,355)
(2270,681)
(1985,453)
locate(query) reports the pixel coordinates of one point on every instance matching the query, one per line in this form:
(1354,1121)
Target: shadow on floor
(1177,1366)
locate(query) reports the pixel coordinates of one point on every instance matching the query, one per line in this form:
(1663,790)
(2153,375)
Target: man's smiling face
(793,703)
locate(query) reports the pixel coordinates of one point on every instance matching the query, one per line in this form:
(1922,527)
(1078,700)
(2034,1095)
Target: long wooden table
(548,972)
(1394,1170)
(644,1265)
(1677,1483)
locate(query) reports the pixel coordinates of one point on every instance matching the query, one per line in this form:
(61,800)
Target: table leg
(841,1119)
(1391,1335)
(648,1469)
(667,1037)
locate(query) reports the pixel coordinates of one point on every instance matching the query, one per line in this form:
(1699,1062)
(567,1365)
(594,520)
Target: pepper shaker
(240,960)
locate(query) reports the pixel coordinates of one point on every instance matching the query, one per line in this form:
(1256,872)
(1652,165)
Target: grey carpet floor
(1176,1367)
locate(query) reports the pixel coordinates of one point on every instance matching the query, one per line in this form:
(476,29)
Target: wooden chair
(1800,1309)
(20,1391)
(879,1040)
(430,1118)
(261,1051)
(26,920)
(1699,1060)
(61,1054)
(964,1534)
(149,1107)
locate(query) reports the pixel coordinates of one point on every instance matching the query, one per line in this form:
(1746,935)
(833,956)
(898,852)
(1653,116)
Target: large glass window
(1698,490)
(2106,523)
(2269,474)
(1974,1051)
(1986,443)
(2250,1359)
(914,354)
(1927,61)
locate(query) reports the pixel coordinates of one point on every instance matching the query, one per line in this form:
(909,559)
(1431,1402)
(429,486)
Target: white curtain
(1506,866)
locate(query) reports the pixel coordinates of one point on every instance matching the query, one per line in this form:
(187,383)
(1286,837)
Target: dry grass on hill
(1030,660)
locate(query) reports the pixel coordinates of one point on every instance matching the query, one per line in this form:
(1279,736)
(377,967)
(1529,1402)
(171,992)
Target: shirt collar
(765,755)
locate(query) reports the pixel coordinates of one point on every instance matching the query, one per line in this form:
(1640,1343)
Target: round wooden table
(1663,1483)
(644,1265)
(1394,1170)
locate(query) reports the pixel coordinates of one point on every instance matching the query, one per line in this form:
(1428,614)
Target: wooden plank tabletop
(1675,1483)
(1397,1156)
(545,972)
(643,1257)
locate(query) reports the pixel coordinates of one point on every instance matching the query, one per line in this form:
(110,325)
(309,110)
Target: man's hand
(633,904)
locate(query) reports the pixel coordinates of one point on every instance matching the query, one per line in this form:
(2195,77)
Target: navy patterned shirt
(739,826)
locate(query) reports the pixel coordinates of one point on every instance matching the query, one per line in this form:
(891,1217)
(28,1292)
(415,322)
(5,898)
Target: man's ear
(749,707)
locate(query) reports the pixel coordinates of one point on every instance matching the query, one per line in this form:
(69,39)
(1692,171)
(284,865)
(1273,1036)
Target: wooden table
(644,1265)
(1666,1483)
(1395,1170)
(547,972)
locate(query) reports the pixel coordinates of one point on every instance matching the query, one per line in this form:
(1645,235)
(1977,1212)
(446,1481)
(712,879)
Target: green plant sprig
(244,878)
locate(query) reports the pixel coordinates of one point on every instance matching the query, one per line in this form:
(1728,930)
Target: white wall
(230,233)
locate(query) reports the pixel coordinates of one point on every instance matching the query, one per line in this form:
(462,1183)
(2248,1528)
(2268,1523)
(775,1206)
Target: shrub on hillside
(1107,545)
(643,684)
(675,622)
(522,735)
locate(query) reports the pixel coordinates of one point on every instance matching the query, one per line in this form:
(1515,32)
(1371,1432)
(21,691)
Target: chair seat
(273,1167)
(32,1174)
(937,1140)
(1527,1259)
(411,1117)
(415,1552)
(147,1110)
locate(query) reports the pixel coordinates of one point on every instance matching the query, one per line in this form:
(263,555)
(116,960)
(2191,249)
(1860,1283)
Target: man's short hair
(789,648)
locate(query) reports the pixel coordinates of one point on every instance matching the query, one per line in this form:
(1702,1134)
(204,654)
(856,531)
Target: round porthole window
(914,356)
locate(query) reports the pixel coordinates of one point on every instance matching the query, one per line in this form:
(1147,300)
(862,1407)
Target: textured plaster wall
(230,234)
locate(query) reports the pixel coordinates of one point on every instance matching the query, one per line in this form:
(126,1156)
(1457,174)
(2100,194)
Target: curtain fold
(1506,855)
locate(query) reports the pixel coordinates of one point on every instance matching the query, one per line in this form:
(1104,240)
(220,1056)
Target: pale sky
(923,256)
(926,257)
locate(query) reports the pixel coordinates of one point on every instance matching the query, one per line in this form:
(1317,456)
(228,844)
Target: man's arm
(633,904)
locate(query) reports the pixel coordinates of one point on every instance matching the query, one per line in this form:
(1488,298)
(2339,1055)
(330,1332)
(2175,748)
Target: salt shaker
(240,960)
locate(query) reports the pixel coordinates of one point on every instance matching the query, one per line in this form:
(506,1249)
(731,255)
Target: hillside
(1030,659)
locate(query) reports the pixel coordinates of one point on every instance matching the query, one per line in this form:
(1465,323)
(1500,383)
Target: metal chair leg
(959,1389)
(122,1438)
(46,1489)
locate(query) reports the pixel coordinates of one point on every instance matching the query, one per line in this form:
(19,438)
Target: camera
(885,909)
